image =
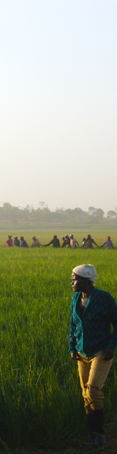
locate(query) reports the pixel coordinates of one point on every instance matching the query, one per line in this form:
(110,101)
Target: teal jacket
(92,332)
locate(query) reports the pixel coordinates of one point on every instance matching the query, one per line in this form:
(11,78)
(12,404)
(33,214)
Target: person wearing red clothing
(9,242)
(108,243)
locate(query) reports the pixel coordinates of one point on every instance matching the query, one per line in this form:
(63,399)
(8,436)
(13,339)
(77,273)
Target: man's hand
(75,356)
(108,353)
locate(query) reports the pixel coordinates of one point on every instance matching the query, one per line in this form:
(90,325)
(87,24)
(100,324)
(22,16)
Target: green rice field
(40,397)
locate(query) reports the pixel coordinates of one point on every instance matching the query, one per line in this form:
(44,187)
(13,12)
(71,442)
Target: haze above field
(58,103)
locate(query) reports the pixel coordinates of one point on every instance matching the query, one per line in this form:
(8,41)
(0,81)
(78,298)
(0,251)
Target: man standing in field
(92,343)
(9,242)
(108,243)
(35,242)
(89,243)
(23,242)
(55,241)
(73,242)
(16,241)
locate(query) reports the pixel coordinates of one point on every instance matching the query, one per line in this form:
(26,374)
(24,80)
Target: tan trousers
(93,373)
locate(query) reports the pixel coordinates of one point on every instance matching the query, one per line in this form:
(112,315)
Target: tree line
(43,218)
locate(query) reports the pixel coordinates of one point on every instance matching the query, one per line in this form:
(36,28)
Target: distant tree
(42,204)
(111,214)
(12,217)
(7,206)
(56,210)
(91,210)
(79,210)
(59,210)
(96,212)
(27,208)
(99,212)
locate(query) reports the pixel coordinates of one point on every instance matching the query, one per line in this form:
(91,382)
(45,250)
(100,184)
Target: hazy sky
(58,103)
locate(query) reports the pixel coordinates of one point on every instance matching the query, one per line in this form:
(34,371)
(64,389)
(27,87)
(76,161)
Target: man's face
(78,283)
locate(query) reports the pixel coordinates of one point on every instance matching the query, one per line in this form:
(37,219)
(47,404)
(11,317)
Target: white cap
(87,271)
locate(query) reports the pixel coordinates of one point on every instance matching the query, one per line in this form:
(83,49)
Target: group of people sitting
(67,241)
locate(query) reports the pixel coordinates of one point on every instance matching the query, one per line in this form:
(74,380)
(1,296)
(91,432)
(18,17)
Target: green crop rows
(40,396)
